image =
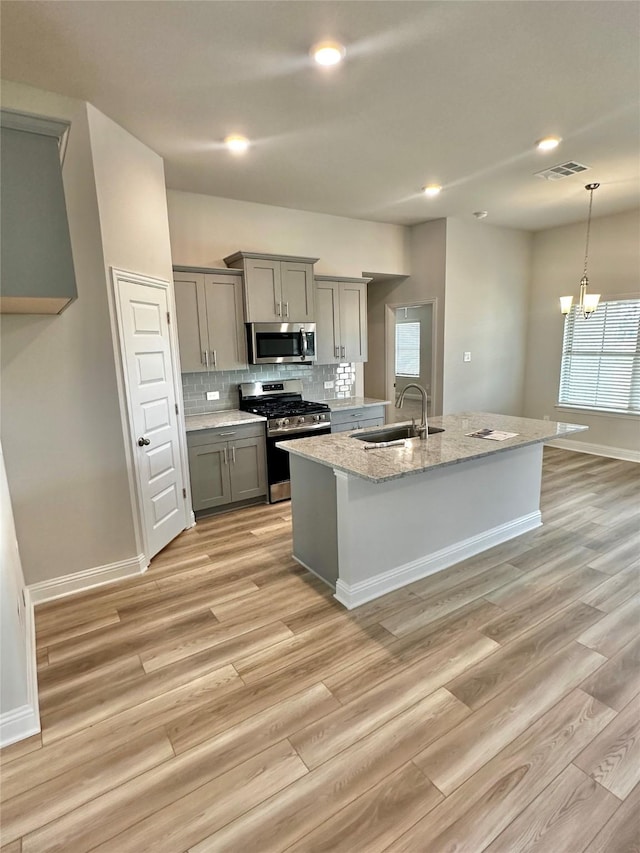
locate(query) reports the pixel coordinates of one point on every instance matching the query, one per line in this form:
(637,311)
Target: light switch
(466,356)
(213,395)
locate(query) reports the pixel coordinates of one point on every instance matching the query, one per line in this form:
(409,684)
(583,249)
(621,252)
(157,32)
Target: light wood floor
(225,702)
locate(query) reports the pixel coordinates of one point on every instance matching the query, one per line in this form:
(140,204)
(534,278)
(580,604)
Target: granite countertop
(339,404)
(450,447)
(225,418)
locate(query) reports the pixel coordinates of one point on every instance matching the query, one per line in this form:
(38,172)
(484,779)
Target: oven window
(278,460)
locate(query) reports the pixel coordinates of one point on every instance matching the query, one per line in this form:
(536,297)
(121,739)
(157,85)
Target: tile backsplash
(196,385)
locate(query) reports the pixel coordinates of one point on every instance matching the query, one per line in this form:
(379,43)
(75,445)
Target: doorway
(154,451)
(410,356)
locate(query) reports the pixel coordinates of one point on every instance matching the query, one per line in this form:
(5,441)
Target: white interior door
(145,342)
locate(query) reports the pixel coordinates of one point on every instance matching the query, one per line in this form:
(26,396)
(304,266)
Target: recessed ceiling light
(431,190)
(237,144)
(548,143)
(481,214)
(328,52)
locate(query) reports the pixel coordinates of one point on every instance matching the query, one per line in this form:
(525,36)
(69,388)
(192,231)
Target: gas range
(282,404)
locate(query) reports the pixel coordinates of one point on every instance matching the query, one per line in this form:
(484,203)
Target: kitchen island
(370,521)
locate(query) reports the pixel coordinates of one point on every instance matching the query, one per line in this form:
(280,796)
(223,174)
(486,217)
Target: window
(601,358)
(408,349)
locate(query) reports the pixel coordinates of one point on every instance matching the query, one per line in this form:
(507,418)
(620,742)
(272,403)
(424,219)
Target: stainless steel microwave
(278,343)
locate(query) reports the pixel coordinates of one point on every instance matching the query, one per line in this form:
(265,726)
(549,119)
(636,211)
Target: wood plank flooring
(224,701)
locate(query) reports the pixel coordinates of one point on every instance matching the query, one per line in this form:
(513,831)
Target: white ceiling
(451,92)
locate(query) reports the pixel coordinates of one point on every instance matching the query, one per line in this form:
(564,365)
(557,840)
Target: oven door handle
(303,343)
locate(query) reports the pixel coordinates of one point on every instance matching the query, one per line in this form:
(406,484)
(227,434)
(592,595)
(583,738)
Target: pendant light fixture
(588,301)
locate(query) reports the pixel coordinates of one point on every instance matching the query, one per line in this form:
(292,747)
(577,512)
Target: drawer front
(352,416)
(371,422)
(230,433)
(348,416)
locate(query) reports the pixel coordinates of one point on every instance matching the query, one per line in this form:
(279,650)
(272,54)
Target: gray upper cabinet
(341,316)
(276,288)
(209,305)
(36,263)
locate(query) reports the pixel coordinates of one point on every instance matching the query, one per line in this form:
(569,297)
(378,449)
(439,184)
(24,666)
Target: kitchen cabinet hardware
(233,454)
(214,359)
(224,451)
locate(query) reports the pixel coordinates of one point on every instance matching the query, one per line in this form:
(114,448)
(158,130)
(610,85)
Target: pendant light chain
(592,187)
(588,302)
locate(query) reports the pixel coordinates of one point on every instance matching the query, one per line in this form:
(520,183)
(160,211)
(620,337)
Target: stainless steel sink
(392,434)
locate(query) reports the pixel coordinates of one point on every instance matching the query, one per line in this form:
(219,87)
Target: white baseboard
(24,721)
(363,591)
(87,579)
(597,449)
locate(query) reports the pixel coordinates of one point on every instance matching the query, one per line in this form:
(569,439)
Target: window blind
(408,349)
(601,358)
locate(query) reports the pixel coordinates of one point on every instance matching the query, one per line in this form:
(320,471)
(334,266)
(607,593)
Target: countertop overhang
(453,446)
(223,418)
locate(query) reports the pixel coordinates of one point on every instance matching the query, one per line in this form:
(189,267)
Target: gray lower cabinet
(226,465)
(344,420)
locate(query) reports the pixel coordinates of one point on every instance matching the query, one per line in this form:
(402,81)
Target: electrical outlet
(329,384)
(466,356)
(213,395)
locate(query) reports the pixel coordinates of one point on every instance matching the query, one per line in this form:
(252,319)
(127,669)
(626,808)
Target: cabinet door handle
(214,358)
(227,433)
(337,352)
(343,352)
(224,452)
(278,309)
(233,455)
(205,358)
(286,310)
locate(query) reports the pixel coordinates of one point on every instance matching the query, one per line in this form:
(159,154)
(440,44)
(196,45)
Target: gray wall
(60,414)
(62,427)
(487,294)
(614,269)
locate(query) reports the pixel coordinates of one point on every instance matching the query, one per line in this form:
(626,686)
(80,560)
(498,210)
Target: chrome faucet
(423,429)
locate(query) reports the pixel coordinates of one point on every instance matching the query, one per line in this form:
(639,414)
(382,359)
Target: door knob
(143,442)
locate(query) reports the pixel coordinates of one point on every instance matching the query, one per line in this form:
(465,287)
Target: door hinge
(184,494)
(168,318)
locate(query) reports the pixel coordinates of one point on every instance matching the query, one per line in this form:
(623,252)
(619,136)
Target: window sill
(597,413)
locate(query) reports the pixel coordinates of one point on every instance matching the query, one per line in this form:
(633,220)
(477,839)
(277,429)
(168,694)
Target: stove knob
(280,423)
(301,420)
(285,422)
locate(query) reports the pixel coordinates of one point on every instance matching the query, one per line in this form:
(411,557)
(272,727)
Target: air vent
(555,173)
